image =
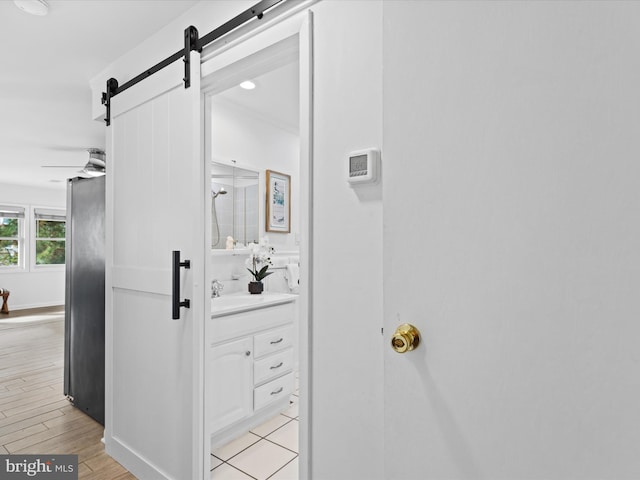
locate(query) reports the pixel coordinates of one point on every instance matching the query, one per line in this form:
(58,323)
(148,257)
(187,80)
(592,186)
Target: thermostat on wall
(364,166)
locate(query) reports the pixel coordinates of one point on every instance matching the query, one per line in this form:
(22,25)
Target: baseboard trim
(135,463)
(24,312)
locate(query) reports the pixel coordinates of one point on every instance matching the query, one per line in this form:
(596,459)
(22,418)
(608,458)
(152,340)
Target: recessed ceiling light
(248,85)
(34,7)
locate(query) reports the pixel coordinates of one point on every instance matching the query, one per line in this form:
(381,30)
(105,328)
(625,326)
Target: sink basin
(242,302)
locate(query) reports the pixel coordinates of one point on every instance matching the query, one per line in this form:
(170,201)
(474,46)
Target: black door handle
(175,284)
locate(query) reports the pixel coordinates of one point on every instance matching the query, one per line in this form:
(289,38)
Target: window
(11,236)
(50,234)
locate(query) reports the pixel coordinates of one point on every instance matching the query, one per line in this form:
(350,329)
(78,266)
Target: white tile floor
(269,451)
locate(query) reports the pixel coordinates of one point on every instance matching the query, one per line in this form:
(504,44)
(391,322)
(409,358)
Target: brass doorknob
(405,338)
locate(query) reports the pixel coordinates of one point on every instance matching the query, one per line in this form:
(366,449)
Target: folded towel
(293,276)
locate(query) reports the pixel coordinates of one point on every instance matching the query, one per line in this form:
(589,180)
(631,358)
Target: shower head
(222,191)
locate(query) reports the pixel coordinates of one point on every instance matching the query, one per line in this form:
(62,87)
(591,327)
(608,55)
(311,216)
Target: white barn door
(155,205)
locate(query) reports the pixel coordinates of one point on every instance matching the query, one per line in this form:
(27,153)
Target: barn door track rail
(191,42)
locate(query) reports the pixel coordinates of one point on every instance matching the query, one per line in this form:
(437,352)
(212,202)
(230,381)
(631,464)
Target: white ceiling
(275,97)
(46,65)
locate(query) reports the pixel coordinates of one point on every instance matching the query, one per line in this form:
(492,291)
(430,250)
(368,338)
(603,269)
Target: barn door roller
(191,42)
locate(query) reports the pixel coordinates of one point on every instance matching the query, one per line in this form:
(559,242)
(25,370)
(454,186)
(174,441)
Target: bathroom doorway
(255,132)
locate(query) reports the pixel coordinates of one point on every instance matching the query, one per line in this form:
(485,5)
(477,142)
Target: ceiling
(47,62)
(275,98)
(45,98)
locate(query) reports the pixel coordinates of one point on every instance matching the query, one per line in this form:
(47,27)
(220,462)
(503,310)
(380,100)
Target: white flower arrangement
(259,259)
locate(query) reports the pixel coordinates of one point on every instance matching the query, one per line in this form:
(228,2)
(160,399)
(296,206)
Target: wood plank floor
(35,417)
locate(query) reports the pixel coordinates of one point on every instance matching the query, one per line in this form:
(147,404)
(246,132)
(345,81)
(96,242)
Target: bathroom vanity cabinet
(250,371)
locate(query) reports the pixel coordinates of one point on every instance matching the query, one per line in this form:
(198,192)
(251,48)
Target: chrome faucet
(216,288)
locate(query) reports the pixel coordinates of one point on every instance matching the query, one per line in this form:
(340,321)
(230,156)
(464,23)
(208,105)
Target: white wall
(347,243)
(257,144)
(347,225)
(34,287)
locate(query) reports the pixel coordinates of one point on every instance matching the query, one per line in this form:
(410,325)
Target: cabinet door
(231,383)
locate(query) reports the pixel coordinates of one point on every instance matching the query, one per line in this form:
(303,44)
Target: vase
(256,287)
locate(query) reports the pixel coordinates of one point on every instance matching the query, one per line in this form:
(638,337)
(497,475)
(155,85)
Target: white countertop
(242,302)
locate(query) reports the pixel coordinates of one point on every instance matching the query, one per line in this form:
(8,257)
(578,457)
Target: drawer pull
(247,353)
(277,391)
(277,341)
(277,366)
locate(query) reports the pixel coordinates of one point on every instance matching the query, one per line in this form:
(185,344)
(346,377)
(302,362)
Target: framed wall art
(278,211)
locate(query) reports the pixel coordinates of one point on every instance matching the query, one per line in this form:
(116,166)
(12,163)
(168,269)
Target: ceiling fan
(94,167)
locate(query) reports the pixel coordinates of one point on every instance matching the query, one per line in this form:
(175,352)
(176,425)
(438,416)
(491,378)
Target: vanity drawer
(272,341)
(228,327)
(274,390)
(272,366)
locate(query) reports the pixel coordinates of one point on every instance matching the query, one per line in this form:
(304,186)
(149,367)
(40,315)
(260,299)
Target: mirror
(234,207)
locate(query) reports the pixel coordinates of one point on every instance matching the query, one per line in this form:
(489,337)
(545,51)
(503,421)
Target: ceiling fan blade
(95,165)
(66,148)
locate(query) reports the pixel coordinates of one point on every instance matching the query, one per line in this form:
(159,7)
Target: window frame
(21,267)
(38,212)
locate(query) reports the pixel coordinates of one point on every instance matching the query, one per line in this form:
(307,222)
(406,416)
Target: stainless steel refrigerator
(84,296)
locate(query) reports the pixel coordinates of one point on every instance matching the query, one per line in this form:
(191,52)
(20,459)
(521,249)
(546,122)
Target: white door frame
(289,34)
